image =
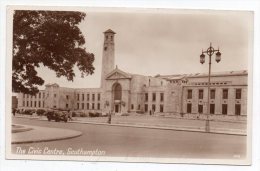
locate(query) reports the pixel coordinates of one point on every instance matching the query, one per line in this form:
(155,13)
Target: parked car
(57,116)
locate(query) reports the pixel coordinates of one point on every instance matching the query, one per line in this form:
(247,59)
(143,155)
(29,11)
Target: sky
(151,42)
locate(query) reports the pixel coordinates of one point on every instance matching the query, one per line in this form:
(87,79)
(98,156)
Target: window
(117,91)
(93,97)
(93,105)
(200,108)
(87,97)
(161,97)
(154,96)
(212,94)
(161,108)
(224,109)
(212,108)
(189,108)
(39,104)
(146,97)
(27,104)
(153,107)
(77,96)
(237,109)
(43,104)
(83,97)
(132,106)
(146,107)
(67,105)
(82,105)
(67,97)
(98,97)
(200,94)
(23,103)
(87,106)
(40,95)
(31,104)
(189,94)
(77,105)
(238,93)
(225,94)
(98,106)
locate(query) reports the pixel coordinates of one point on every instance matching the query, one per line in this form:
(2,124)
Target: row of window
(33,104)
(161,108)
(87,106)
(212,108)
(132,107)
(213,94)
(40,95)
(216,83)
(154,97)
(82,97)
(177,81)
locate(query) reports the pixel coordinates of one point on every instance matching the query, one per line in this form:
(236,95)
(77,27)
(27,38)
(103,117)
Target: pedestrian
(70,115)
(109,118)
(13,111)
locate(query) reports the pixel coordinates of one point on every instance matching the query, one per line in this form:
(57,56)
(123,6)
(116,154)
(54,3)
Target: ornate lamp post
(210,51)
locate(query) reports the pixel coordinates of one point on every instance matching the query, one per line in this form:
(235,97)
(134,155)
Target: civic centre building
(122,92)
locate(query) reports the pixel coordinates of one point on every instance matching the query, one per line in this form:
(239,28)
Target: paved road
(142,142)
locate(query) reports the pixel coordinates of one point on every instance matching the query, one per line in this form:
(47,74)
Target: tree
(50,38)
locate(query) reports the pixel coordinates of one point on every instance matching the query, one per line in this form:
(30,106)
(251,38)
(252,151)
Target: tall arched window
(117,92)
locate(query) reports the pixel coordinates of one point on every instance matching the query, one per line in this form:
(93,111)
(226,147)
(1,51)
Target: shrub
(28,112)
(140,112)
(40,112)
(83,115)
(98,114)
(91,114)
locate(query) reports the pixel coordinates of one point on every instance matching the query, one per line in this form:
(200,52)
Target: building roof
(52,84)
(198,75)
(116,70)
(110,31)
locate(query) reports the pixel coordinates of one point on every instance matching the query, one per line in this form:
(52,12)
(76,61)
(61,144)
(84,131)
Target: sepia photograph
(129,85)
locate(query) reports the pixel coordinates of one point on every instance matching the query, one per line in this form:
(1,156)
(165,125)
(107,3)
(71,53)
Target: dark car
(57,116)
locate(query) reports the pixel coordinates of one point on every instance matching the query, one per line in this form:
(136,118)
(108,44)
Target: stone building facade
(122,92)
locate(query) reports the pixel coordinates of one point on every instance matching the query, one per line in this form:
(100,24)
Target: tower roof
(110,31)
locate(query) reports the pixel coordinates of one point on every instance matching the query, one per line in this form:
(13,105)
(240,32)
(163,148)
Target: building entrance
(117,93)
(117,108)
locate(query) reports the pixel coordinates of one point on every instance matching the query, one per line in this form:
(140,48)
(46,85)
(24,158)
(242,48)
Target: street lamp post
(210,51)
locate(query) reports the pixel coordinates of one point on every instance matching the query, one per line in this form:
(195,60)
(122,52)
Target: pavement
(31,134)
(159,123)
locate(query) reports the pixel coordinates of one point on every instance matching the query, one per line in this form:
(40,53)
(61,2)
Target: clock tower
(108,58)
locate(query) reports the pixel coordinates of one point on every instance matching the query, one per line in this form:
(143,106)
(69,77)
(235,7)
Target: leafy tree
(50,38)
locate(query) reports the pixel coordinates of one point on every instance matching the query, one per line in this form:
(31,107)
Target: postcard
(129,85)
